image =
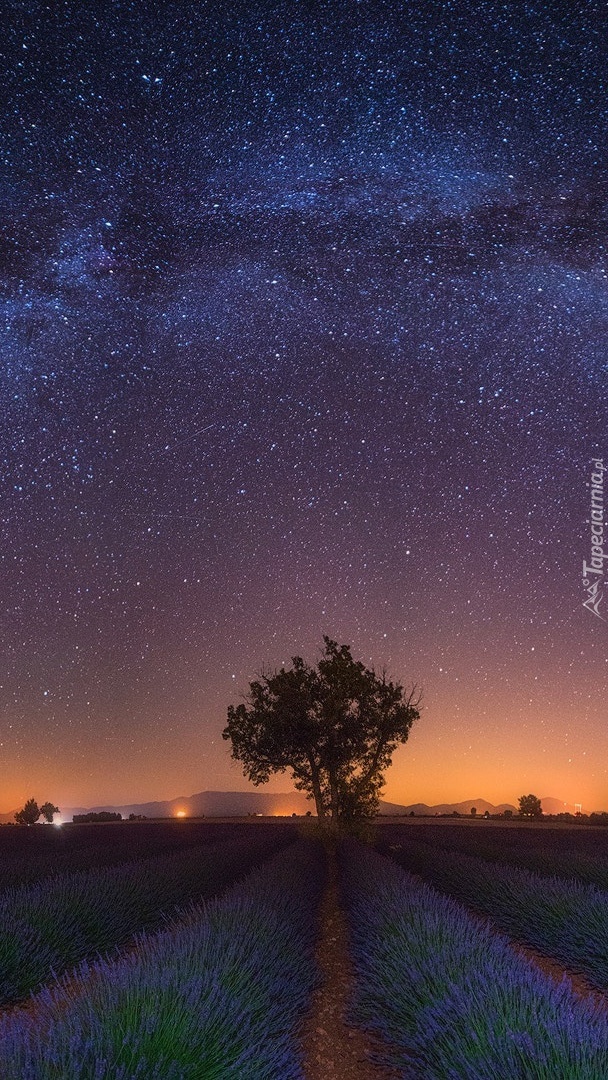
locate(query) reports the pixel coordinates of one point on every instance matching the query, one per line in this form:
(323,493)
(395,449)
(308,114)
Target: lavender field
(162,951)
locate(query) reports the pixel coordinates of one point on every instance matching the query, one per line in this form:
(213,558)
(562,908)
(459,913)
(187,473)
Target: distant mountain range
(244,803)
(550,806)
(481,805)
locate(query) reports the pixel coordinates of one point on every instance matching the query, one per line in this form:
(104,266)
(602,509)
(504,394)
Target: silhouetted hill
(243,803)
(447,808)
(212,804)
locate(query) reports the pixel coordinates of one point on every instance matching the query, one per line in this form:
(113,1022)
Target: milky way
(305,312)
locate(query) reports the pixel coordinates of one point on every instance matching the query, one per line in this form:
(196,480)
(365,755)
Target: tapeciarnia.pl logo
(593,571)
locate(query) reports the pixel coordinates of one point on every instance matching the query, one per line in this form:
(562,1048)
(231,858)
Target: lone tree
(47,810)
(29,814)
(335,726)
(530,806)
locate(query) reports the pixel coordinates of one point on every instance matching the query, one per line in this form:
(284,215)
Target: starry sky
(304,332)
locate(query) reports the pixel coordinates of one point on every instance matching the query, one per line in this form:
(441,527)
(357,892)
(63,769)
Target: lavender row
(451,998)
(539,849)
(568,920)
(53,924)
(28,855)
(218,997)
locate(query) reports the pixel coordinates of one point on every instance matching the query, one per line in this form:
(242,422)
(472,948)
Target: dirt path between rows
(332,1048)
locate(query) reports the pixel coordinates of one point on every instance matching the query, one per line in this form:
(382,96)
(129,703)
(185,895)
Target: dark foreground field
(256,950)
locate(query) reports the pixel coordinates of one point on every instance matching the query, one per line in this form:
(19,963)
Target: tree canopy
(335,726)
(530,806)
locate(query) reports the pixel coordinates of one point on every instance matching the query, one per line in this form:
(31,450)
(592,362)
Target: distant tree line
(103,815)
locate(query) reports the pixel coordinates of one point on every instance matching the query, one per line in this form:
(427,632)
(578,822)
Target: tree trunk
(316,788)
(334,806)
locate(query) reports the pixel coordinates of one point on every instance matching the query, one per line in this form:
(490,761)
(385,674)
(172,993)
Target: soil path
(332,1048)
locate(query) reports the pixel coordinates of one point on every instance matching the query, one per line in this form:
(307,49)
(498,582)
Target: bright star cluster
(305,313)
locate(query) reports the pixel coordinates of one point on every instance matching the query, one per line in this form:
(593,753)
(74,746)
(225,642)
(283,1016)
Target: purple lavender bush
(566,919)
(449,996)
(50,925)
(217,998)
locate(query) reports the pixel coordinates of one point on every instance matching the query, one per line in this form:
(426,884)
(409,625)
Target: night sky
(305,332)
